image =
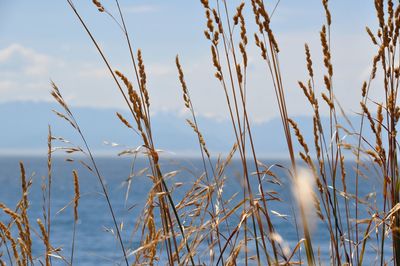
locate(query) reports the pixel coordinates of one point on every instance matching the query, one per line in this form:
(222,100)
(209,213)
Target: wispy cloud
(6,85)
(94,72)
(140,9)
(160,69)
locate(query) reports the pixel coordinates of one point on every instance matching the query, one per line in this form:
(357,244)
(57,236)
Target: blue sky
(42,40)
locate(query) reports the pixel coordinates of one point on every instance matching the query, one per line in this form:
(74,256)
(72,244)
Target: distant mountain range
(24,128)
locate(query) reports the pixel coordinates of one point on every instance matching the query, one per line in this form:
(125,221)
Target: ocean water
(95,239)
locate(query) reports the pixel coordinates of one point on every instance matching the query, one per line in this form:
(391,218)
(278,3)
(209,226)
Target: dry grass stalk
(309,61)
(123,120)
(186,98)
(13,242)
(46,242)
(197,209)
(57,95)
(327,12)
(143,78)
(49,180)
(98,5)
(371,35)
(24,215)
(201,139)
(77,194)
(326,51)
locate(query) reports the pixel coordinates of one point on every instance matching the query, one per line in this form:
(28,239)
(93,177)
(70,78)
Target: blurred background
(43,40)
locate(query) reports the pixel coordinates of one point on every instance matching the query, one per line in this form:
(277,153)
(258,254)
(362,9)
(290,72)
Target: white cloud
(80,79)
(6,85)
(25,73)
(94,72)
(34,63)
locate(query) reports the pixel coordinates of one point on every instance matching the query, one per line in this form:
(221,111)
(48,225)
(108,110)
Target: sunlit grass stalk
(76,203)
(155,165)
(272,61)
(204,153)
(58,97)
(49,181)
(233,105)
(242,87)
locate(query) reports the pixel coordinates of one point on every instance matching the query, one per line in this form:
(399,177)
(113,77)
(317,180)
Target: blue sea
(96,243)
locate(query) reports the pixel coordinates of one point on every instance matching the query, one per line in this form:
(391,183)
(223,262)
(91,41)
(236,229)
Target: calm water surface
(95,242)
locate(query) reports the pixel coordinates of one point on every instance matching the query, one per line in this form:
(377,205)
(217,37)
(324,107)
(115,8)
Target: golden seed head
(186,97)
(309,61)
(327,100)
(371,35)
(364,89)
(77,194)
(98,5)
(327,83)
(327,12)
(299,136)
(205,3)
(123,120)
(369,116)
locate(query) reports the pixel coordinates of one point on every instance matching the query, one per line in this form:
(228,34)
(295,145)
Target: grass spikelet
(216,63)
(306,92)
(299,136)
(379,145)
(123,120)
(238,14)
(326,52)
(243,32)
(76,204)
(143,78)
(309,61)
(327,12)
(218,22)
(369,116)
(13,242)
(58,97)
(380,13)
(261,45)
(371,35)
(77,194)
(24,250)
(11,213)
(201,139)
(375,156)
(239,73)
(24,215)
(231,261)
(316,137)
(262,12)
(327,100)
(364,89)
(186,97)
(210,22)
(98,5)
(327,83)
(205,3)
(124,79)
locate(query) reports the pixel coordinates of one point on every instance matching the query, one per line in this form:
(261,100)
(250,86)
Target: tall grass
(246,232)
